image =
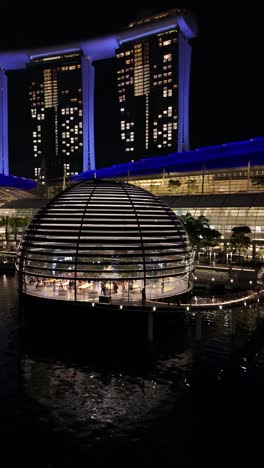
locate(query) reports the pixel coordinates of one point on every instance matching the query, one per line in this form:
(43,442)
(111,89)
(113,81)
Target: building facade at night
(153,74)
(56,106)
(224,183)
(52,93)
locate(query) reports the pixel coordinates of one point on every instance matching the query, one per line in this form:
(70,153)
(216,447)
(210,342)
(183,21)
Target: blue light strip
(55,52)
(228,155)
(88,114)
(3,124)
(19,182)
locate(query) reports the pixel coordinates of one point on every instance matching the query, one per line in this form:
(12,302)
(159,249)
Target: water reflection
(74,400)
(101,396)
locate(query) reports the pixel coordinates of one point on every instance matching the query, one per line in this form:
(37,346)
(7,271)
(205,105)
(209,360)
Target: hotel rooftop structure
(46,94)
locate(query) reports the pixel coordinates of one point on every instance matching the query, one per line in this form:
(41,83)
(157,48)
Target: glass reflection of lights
(105,241)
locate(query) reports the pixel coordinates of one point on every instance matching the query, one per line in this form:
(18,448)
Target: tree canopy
(258,180)
(239,240)
(199,231)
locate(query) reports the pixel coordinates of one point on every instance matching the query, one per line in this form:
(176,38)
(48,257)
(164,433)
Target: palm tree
(239,240)
(192,185)
(199,231)
(257,180)
(15,226)
(174,183)
(4,221)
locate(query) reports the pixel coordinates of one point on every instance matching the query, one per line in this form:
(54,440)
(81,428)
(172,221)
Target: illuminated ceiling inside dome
(105,231)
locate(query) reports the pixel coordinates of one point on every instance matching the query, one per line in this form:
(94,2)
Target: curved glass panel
(105,241)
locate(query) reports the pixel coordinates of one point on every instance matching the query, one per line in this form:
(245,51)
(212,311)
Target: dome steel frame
(105,241)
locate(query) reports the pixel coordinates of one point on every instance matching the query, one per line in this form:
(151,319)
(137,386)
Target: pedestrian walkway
(228,300)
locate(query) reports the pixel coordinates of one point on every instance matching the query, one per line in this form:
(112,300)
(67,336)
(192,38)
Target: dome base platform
(142,322)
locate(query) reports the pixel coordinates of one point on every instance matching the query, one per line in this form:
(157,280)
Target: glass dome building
(105,241)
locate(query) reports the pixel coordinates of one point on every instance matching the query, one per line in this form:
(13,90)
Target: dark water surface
(194,399)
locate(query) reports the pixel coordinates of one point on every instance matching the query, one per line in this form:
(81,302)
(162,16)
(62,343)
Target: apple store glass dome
(105,241)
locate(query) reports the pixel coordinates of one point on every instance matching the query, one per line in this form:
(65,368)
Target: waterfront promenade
(217,286)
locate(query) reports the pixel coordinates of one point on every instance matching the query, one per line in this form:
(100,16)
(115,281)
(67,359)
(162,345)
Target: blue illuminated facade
(18,182)
(230,155)
(88,113)
(98,49)
(223,183)
(3,123)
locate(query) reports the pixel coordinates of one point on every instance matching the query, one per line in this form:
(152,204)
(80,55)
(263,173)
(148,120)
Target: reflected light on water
(57,388)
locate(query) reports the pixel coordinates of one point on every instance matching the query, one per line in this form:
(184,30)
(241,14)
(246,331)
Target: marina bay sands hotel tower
(152,75)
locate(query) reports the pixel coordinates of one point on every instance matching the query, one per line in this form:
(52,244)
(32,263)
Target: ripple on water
(89,402)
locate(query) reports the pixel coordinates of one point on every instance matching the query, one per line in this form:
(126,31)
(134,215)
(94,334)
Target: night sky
(226,94)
